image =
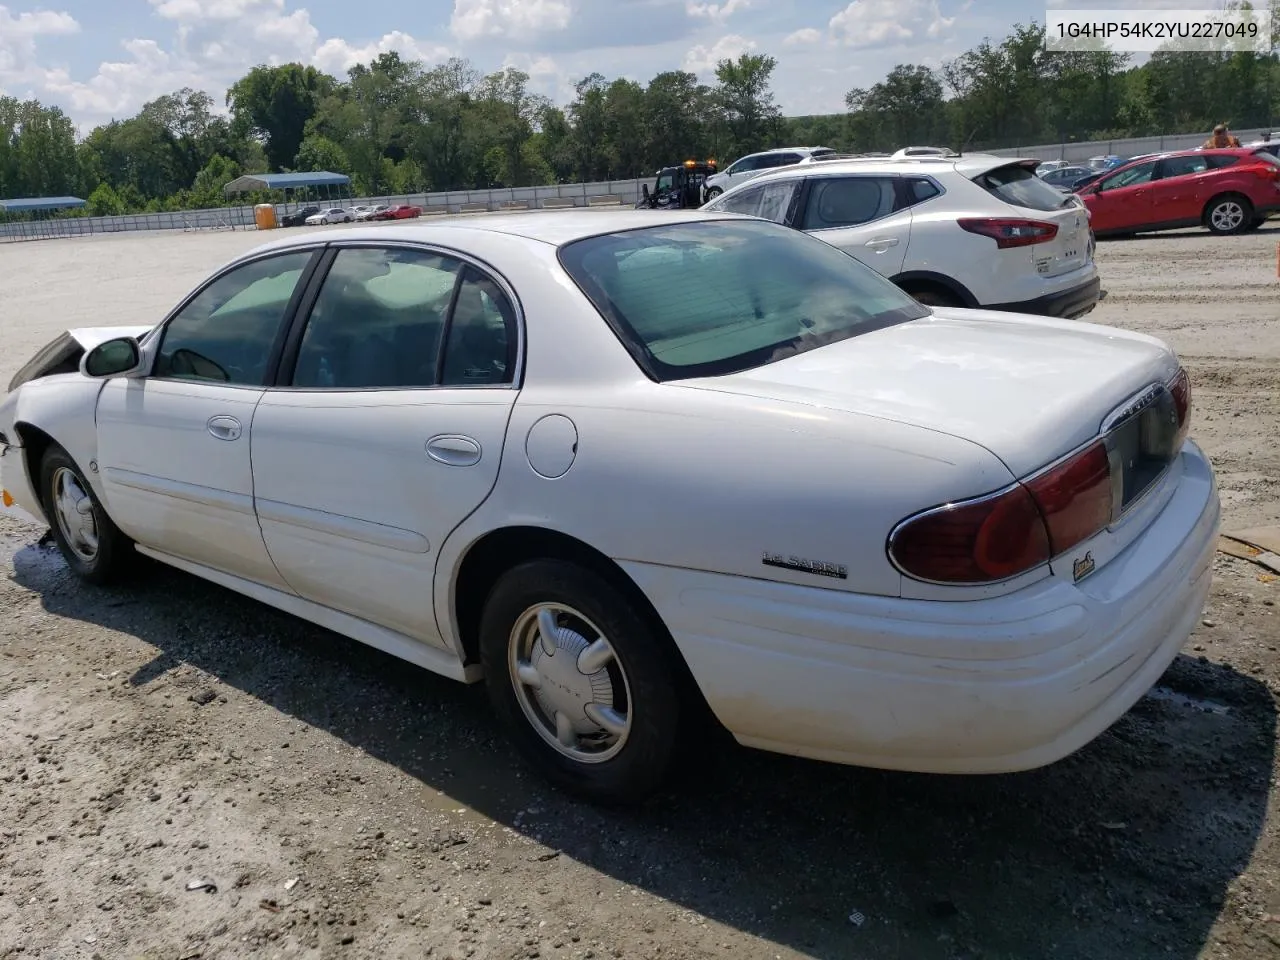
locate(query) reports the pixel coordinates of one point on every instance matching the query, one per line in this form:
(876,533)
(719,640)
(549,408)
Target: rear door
(1018,186)
(862,215)
(1178,191)
(384,429)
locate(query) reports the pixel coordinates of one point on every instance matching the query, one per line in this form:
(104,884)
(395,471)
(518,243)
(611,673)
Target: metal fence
(556,196)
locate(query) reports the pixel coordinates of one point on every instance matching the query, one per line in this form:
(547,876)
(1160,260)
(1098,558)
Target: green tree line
(399,127)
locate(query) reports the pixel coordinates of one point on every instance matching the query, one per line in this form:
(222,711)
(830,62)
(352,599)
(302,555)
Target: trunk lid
(1027,195)
(1027,389)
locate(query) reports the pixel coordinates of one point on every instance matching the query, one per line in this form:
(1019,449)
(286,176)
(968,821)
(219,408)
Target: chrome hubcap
(1227,216)
(569,683)
(73,510)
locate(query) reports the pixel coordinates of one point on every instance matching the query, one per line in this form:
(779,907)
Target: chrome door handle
(453,450)
(882,243)
(224,427)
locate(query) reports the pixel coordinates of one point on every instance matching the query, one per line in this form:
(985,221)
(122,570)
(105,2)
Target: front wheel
(582,681)
(94,548)
(1228,214)
(712,193)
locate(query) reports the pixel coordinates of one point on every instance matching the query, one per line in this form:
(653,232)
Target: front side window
(1141,173)
(748,293)
(227,333)
(778,198)
(665,183)
(847,202)
(741,201)
(378,322)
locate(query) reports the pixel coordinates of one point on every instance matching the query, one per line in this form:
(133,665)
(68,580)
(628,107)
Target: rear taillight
(1002,535)
(1180,387)
(1008,232)
(993,538)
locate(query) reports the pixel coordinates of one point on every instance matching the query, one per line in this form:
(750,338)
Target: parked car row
(319,216)
(653,475)
(962,231)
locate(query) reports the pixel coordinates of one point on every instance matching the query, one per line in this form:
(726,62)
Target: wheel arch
(1246,204)
(910,280)
(501,549)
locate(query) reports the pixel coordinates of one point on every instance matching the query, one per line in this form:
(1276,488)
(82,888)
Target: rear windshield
(1020,187)
(1267,157)
(709,298)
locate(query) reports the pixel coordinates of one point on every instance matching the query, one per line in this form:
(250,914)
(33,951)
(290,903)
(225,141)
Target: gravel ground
(347,807)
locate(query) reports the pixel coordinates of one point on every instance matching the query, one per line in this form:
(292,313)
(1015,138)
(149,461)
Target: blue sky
(99,59)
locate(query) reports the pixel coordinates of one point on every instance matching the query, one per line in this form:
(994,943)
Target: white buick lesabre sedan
(631,469)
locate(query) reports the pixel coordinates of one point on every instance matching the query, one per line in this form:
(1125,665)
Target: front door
(173,446)
(1123,200)
(860,214)
(386,430)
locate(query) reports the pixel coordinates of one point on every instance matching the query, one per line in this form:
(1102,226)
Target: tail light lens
(1180,387)
(999,537)
(1008,232)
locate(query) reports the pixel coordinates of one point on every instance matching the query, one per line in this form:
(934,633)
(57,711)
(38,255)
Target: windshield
(709,298)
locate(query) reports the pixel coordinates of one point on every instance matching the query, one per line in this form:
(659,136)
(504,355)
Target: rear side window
(918,190)
(1020,187)
(847,201)
(694,299)
(1182,166)
(1219,160)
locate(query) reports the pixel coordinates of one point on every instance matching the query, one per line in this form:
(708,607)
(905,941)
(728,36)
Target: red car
(1228,190)
(398,212)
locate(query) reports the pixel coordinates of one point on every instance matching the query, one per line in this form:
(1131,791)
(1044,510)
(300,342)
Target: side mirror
(112,358)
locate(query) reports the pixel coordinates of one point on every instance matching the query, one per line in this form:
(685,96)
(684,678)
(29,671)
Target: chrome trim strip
(180,490)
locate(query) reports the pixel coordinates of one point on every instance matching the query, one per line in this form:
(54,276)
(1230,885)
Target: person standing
(1222,137)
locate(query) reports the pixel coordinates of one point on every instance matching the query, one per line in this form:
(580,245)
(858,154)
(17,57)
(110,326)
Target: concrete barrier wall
(625,192)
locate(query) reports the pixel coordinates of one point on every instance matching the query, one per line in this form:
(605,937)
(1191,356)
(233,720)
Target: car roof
(968,165)
(543,226)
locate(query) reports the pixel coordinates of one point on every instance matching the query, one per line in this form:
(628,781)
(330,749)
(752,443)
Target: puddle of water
(1172,696)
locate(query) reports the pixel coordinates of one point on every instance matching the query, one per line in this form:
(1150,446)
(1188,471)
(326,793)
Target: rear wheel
(94,548)
(582,680)
(1228,214)
(934,297)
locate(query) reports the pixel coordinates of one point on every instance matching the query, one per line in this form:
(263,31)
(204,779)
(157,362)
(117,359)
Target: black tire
(642,657)
(114,554)
(933,297)
(1256,223)
(712,193)
(1228,214)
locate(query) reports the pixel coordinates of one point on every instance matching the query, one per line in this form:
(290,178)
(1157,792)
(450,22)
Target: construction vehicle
(678,187)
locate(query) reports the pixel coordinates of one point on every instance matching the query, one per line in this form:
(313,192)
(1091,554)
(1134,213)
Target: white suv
(754,164)
(974,231)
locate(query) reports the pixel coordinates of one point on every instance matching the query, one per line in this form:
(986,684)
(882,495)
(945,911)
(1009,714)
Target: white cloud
(337,56)
(715,12)
(18,60)
(702,59)
(480,19)
(805,35)
(878,23)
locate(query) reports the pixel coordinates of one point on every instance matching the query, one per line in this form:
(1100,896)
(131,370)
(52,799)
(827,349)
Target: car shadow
(1270,227)
(1126,849)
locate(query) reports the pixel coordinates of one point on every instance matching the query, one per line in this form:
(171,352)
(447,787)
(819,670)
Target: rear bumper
(984,686)
(1065,304)
(15,482)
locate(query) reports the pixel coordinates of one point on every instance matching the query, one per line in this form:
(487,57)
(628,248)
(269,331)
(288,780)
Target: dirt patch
(344,806)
